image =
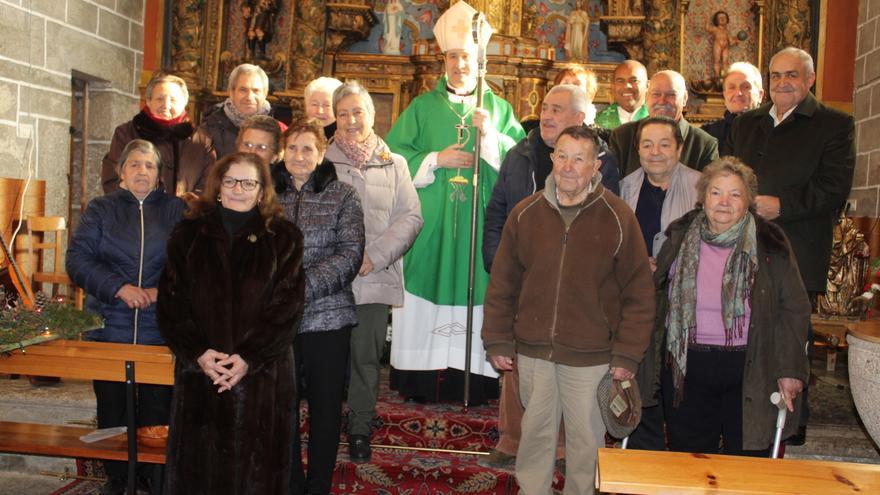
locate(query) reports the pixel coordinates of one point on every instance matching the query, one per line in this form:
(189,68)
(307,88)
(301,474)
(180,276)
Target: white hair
(354,88)
(247,69)
(325,84)
(753,75)
(576,93)
(806,58)
(675,78)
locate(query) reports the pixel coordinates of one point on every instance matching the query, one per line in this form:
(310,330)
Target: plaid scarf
(357,152)
(736,286)
(237,117)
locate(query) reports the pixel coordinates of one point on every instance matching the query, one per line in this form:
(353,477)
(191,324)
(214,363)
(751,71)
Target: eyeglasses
(255,146)
(246,184)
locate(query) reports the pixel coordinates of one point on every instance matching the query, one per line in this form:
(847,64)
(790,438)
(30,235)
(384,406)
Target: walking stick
(778,401)
(476,29)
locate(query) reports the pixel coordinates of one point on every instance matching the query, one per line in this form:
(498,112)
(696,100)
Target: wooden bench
(63,441)
(83,360)
(831,334)
(644,472)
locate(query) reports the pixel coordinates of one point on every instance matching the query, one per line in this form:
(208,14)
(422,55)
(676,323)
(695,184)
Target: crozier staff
(435,135)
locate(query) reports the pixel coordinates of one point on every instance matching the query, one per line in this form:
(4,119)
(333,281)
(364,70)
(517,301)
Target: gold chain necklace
(463,132)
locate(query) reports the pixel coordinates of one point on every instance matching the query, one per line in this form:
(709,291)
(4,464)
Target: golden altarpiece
(296,41)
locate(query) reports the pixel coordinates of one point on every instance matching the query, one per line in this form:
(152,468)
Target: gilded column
(661,27)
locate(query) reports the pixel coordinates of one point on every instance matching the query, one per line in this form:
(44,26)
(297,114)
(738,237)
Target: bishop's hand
(482,120)
(453,157)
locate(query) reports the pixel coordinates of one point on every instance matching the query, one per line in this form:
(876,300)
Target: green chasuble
(610,119)
(436,267)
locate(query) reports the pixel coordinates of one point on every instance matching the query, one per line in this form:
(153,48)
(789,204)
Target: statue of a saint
(846,272)
(259,16)
(721,41)
(393,25)
(577,33)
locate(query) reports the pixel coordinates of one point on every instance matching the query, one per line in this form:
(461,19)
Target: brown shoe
(498,460)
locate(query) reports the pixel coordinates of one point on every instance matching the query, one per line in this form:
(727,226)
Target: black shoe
(359,449)
(799,438)
(115,486)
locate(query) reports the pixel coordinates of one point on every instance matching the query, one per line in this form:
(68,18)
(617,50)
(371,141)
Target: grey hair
(677,80)
(752,73)
(354,88)
(244,69)
(141,145)
(728,165)
(577,94)
(159,78)
(325,84)
(806,58)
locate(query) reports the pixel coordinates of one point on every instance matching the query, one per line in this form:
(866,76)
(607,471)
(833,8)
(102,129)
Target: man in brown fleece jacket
(570,298)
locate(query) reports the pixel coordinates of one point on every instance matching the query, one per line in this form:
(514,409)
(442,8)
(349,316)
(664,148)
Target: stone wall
(43,45)
(866,180)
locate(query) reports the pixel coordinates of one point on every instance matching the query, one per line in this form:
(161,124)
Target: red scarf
(165,122)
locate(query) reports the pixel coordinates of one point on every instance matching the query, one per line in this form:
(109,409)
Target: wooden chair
(58,277)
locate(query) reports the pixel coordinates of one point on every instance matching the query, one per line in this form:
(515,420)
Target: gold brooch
(252,238)
(385,156)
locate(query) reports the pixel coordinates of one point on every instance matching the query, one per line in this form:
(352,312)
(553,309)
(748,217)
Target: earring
(218,198)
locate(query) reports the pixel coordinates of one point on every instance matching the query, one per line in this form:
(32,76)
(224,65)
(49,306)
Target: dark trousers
(711,408)
(649,435)
(443,386)
(367,344)
(153,404)
(322,360)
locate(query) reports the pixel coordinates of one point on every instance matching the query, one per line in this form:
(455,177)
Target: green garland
(20,327)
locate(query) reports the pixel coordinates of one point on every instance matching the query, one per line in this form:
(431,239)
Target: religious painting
(553,17)
(404,21)
(257,32)
(717,33)
(400,23)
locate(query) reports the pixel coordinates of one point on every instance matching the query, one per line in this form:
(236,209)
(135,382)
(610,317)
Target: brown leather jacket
(186,159)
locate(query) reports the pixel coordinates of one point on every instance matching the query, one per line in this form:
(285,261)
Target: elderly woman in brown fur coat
(230,302)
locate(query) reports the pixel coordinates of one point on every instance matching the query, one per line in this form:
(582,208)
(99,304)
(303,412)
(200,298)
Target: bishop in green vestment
(436,136)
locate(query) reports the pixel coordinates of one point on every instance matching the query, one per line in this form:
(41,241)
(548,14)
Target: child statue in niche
(722,41)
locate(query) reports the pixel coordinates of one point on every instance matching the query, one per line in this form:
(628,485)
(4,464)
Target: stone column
(866,179)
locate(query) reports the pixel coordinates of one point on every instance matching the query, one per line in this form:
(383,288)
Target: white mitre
(454,29)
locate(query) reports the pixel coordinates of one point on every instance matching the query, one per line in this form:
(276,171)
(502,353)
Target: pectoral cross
(463,132)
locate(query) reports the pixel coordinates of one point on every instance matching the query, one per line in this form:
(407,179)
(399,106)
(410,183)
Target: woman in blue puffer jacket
(116,255)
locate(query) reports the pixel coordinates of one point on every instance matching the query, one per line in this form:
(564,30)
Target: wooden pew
(83,360)
(642,472)
(63,441)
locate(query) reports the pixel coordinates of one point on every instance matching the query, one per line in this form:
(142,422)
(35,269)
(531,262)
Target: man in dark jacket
(248,88)
(803,154)
(527,165)
(568,318)
(743,91)
(667,96)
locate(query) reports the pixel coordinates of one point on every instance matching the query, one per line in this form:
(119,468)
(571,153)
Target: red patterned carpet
(404,472)
(438,426)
